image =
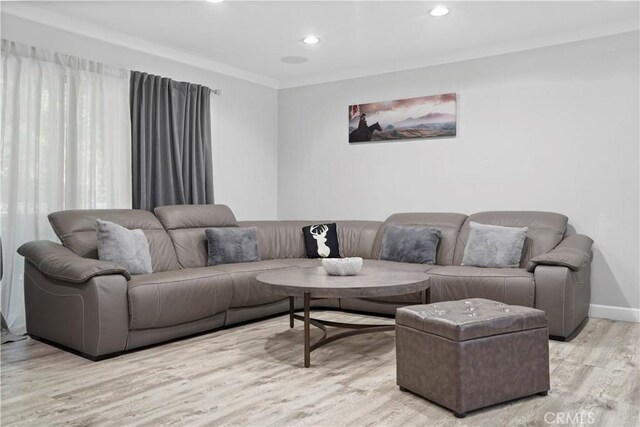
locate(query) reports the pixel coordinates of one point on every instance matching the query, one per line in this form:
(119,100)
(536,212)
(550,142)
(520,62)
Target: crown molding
(56,20)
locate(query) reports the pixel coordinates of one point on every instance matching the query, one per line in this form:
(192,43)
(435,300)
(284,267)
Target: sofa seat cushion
(412,298)
(302,262)
(508,285)
(179,296)
(247,291)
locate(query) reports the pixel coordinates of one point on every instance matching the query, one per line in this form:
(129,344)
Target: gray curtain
(171,142)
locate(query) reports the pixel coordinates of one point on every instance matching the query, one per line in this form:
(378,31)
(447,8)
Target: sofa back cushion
(77,230)
(280,239)
(545,231)
(449,225)
(357,237)
(284,239)
(185,224)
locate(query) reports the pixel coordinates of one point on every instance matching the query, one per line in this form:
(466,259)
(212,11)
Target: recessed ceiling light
(439,11)
(215,1)
(310,39)
(294,59)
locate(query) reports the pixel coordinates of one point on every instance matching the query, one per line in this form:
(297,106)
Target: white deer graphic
(319,232)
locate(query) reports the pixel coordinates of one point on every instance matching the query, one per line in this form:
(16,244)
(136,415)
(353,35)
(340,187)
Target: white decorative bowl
(342,266)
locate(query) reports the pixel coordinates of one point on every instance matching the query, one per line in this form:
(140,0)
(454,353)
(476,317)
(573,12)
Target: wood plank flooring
(253,375)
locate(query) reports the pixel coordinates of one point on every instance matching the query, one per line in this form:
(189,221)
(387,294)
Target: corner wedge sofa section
(449,225)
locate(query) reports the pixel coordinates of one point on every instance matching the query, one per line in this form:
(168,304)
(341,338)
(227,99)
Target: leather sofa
(97,309)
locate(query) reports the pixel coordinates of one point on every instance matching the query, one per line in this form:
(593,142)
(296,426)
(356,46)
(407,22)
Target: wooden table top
(371,282)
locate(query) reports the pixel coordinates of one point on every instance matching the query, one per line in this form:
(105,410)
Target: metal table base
(352,328)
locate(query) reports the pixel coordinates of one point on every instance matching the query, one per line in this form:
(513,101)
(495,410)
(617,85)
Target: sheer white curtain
(65,144)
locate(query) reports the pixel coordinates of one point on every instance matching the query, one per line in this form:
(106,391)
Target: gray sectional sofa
(97,309)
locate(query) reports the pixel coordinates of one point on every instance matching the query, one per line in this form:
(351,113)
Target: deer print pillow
(321,241)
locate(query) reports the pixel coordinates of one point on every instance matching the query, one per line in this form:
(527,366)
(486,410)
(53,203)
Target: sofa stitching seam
(155,321)
(99,319)
(564,293)
(179,281)
(69,279)
(488,277)
(131,318)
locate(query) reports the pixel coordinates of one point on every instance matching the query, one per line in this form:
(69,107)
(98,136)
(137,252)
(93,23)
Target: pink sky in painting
(391,112)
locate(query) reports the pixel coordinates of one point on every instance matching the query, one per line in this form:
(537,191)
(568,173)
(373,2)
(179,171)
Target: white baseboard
(615,313)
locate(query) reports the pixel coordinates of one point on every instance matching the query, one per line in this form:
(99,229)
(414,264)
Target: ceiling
(248,38)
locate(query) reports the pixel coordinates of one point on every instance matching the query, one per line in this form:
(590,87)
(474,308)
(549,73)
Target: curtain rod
(216,92)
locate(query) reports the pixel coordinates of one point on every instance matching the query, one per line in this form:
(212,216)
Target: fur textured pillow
(494,246)
(412,244)
(229,245)
(129,248)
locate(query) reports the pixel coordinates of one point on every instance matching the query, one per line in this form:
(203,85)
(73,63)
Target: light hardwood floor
(253,375)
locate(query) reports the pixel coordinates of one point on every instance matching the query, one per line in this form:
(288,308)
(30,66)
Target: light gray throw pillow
(494,246)
(412,244)
(229,245)
(129,248)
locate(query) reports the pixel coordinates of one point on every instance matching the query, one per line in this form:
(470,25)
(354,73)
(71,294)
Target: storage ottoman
(468,354)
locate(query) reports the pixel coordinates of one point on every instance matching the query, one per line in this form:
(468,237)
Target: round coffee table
(314,283)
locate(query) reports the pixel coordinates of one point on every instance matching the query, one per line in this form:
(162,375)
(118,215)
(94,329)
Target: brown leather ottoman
(468,354)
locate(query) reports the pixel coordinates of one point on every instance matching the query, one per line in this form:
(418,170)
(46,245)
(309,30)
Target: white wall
(551,129)
(244,121)
(547,129)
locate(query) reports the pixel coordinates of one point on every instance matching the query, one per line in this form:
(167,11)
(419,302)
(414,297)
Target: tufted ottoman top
(471,318)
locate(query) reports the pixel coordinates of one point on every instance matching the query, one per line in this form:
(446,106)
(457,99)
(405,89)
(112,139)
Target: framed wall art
(423,117)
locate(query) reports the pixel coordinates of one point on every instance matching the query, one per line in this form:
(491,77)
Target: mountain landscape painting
(412,118)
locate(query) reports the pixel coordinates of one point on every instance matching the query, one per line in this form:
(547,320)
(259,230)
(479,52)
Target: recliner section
(185,228)
(546,230)
(76,229)
(508,285)
(173,297)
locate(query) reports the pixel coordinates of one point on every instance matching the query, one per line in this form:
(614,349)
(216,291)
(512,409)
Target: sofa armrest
(58,262)
(565,295)
(573,252)
(91,317)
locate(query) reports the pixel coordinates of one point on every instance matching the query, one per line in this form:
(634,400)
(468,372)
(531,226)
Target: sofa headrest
(533,219)
(280,239)
(76,229)
(448,223)
(195,216)
(185,224)
(546,229)
(284,239)
(65,223)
